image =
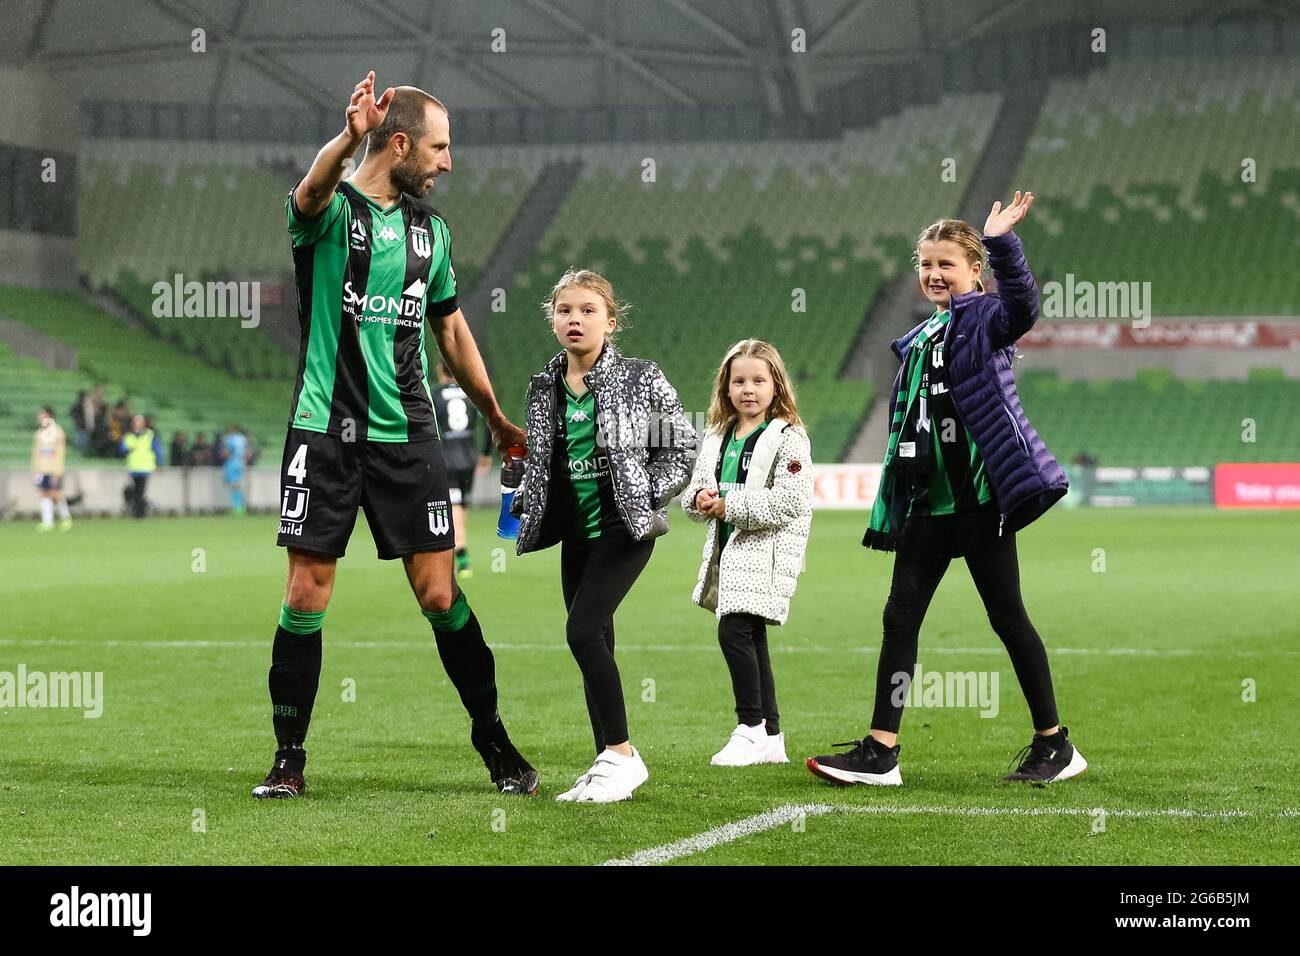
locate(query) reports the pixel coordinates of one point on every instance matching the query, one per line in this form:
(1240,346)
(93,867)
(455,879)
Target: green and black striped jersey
(366,278)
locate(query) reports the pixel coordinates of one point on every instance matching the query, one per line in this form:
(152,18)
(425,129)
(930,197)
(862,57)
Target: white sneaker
(572,793)
(747,746)
(776,749)
(613,777)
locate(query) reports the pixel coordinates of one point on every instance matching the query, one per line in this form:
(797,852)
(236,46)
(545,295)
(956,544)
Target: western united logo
(744,461)
(439,517)
(420,242)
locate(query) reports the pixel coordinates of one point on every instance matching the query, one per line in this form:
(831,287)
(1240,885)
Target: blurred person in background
(179,452)
(49,447)
(143,451)
(200,452)
(254,450)
(234,451)
(77,413)
(457,421)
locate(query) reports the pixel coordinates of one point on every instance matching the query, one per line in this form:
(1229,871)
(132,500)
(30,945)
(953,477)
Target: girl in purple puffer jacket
(963,471)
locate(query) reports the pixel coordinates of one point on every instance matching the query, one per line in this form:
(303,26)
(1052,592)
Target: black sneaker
(1045,759)
(285,779)
(507,767)
(869,762)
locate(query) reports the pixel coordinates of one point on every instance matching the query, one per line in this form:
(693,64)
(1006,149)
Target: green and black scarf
(910,452)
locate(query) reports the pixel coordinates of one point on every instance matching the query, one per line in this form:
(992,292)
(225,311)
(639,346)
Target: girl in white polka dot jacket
(752,483)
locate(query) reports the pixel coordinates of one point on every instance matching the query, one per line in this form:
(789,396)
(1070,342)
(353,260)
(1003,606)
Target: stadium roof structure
(557,53)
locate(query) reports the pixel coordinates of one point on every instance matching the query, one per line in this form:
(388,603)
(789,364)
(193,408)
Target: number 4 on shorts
(297,469)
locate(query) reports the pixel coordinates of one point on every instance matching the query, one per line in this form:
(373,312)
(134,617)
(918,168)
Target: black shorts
(401,485)
(462,485)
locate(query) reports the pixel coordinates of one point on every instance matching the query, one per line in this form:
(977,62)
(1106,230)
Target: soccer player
(963,472)
(372,263)
(457,418)
(49,448)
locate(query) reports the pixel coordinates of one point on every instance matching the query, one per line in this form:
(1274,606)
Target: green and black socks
(467,659)
(296,664)
(295,675)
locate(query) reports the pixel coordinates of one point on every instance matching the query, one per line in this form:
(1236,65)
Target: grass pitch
(1151,659)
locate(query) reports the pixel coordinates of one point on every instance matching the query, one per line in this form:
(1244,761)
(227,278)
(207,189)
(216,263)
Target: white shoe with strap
(747,746)
(613,777)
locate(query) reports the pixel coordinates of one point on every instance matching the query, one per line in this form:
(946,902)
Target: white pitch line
(995,650)
(726,833)
(788,813)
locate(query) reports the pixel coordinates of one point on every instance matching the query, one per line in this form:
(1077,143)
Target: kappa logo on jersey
(420,242)
(387,234)
(293,509)
(579,416)
(358,236)
(439,517)
(732,453)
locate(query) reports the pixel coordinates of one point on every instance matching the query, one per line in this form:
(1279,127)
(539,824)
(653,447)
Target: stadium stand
(1157,419)
(182,392)
(1131,164)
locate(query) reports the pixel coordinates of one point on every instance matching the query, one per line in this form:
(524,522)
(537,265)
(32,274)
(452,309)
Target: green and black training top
(366,279)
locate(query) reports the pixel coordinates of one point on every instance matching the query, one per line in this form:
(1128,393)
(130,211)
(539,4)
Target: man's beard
(409,177)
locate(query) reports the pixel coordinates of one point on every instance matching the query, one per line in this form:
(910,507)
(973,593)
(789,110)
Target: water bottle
(512,473)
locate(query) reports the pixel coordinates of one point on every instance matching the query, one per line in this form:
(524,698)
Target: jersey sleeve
(304,231)
(442,284)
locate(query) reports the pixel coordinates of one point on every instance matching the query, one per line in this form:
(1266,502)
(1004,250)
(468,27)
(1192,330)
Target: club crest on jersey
(420,242)
(744,461)
(357,236)
(439,517)
(293,509)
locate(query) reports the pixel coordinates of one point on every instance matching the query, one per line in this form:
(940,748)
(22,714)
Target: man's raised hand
(364,112)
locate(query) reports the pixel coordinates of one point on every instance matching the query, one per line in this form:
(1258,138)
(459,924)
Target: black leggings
(139,503)
(926,546)
(744,644)
(596,574)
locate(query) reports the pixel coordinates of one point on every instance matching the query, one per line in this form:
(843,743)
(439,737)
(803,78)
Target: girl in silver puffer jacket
(608,443)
